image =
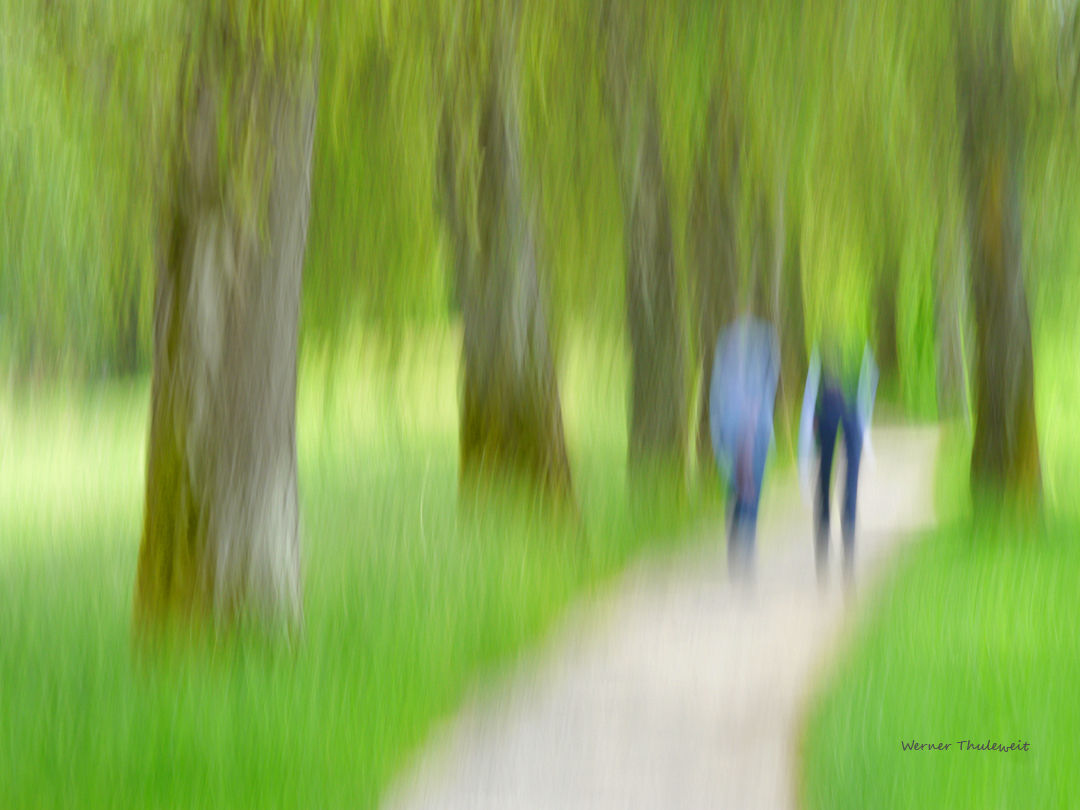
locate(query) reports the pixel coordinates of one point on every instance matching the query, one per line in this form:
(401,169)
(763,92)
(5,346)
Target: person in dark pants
(742,395)
(839,394)
(834,410)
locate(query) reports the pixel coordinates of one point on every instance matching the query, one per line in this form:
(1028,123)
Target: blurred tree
(793,355)
(1005,455)
(887,350)
(787,313)
(713,246)
(511,417)
(221,523)
(761,293)
(657,418)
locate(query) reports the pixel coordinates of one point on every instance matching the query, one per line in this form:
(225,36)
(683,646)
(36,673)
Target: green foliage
(374,246)
(848,112)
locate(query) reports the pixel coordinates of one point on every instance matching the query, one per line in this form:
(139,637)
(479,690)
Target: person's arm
(868,380)
(806,422)
(773,382)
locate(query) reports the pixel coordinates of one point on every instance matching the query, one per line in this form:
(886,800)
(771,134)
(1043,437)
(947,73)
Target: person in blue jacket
(742,395)
(839,394)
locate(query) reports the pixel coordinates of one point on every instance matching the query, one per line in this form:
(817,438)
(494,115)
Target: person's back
(841,361)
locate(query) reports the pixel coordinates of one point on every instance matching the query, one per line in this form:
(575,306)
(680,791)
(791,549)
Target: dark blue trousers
(833,412)
(745,496)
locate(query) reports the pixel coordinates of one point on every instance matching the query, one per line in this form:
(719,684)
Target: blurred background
(528,220)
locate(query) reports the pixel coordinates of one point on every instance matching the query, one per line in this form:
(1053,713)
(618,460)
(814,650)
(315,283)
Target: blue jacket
(742,395)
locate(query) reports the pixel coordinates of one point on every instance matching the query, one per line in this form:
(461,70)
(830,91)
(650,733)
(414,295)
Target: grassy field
(407,603)
(972,637)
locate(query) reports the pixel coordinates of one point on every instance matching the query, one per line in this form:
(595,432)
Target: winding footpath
(675,690)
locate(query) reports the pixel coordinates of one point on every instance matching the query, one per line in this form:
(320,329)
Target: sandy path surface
(675,690)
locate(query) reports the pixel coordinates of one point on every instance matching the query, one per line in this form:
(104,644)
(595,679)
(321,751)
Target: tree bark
(787,317)
(657,417)
(760,289)
(888,355)
(511,418)
(449,207)
(221,533)
(1005,454)
(713,245)
(793,354)
(127,340)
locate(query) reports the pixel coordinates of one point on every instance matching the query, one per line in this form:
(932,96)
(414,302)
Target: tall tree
(787,315)
(1005,455)
(221,531)
(888,352)
(713,244)
(511,417)
(657,419)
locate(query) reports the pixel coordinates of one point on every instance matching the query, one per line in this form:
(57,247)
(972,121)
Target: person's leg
(755,484)
(747,537)
(735,528)
(827,423)
(745,493)
(853,446)
(740,546)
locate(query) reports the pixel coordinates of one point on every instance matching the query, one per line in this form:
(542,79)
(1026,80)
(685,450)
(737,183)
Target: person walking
(742,395)
(839,394)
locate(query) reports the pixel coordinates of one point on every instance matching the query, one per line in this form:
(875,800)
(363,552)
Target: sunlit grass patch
(68,461)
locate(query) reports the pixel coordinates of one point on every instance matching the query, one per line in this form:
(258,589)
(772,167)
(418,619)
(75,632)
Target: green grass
(407,603)
(972,637)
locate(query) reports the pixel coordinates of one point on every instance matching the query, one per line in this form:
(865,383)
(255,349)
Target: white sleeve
(868,380)
(774,381)
(806,422)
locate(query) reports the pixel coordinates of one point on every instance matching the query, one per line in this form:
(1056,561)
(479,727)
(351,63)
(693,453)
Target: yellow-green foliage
(837,273)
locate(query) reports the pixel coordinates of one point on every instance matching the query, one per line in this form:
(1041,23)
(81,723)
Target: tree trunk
(760,291)
(221,524)
(793,355)
(449,207)
(888,355)
(657,415)
(1005,455)
(1006,448)
(127,349)
(511,418)
(713,245)
(786,316)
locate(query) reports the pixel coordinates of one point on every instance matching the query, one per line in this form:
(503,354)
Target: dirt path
(677,691)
